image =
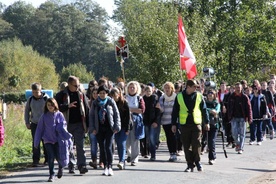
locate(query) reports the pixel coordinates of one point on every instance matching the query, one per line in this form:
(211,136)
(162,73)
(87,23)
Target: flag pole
(122,67)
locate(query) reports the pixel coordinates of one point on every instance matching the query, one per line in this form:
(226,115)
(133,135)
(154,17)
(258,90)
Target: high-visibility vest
(183,112)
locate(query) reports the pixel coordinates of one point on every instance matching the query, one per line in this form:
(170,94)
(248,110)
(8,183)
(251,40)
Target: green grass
(16,152)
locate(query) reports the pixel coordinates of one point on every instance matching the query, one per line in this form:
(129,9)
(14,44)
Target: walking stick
(222,137)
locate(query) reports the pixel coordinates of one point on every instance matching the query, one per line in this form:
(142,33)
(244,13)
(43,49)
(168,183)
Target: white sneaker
(252,142)
(259,143)
(180,153)
(240,152)
(110,172)
(105,173)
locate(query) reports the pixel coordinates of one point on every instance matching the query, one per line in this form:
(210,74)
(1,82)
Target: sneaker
(199,166)
(240,152)
(259,143)
(237,148)
(173,158)
(83,169)
(272,134)
(121,165)
(152,159)
(101,165)
(211,162)
(180,153)
(51,178)
(264,137)
(35,164)
(128,159)
(233,145)
(93,164)
(110,172)
(252,142)
(189,169)
(146,156)
(71,169)
(133,164)
(105,173)
(60,173)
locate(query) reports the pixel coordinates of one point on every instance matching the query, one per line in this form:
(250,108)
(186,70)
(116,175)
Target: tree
(21,65)
(78,70)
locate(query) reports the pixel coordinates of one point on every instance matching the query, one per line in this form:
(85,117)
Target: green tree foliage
(21,65)
(237,38)
(78,70)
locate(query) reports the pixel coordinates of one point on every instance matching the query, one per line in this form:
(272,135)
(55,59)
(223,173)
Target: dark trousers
(76,129)
(256,130)
(105,138)
(171,138)
(36,151)
(190,137)
(228,132)
(212,136)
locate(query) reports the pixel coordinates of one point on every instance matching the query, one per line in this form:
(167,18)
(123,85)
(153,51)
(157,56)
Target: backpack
(2,132)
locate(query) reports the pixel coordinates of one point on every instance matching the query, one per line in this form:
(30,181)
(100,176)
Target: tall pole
(122,43)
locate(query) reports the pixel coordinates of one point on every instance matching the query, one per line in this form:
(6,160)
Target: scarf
(102,111)
(169,98)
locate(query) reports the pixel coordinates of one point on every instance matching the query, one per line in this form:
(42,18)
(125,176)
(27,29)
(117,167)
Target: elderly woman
(137,107)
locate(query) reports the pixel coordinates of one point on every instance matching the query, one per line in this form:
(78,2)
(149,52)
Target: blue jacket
(52,128)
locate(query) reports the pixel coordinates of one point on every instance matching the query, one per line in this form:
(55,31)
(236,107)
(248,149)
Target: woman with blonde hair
(137,107)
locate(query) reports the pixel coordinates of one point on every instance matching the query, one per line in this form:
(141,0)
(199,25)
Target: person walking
(126,125)
(52,129)
(104,122)
(190,108)
(239,112)
(33,110)
(74,106)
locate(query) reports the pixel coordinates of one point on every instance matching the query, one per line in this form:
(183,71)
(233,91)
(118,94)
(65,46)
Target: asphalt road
(255,163)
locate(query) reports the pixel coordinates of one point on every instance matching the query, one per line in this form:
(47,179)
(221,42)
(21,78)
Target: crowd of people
(130,117)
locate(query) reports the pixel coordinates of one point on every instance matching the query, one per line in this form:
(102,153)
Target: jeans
(120,139)
(151,139)
(93,145)
(212,136)
(53,153)
(36,151)
(238,131)
(77,131)
(256,130)
(105,138)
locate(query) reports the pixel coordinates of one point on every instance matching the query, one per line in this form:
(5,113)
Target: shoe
(264,137)
(71,169)
(272,134)
(211,162)
(259,143)
(228,145)
(105,173)
(45,163)
(51,178)
(233,145)
(146,156)
(188,169)
(199,166)
(133,164)
(180,153)
(237,148)
(93,164)
(252,142)
(101,165)
(152,159)
(110,172)
(83,169)
(120,165)
(240,152)
(128,159)
(60,173)
(35,164)
(173,158)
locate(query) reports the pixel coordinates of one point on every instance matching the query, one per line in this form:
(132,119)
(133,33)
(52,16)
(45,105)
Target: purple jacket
(52,128)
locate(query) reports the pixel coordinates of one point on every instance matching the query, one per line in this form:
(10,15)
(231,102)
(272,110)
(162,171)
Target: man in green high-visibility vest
(190,112)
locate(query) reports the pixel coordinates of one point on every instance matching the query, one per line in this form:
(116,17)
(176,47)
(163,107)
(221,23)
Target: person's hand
(223,109)
(94,132)
(115,131)
(174,129)
(73,104)
(154,125)
(28,126)
(127,132)
(207,127)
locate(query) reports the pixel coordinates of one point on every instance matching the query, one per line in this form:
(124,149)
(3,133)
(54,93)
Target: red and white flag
(187,58)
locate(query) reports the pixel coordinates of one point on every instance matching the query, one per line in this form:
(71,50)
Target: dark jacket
(245,106)
(262,106)
(63,100)
(151,113)
(124,115)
